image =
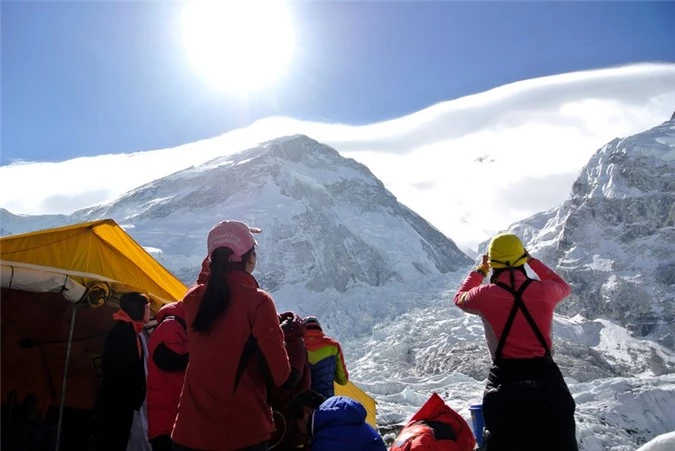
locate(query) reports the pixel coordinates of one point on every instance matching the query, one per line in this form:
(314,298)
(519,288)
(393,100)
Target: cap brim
(255,230)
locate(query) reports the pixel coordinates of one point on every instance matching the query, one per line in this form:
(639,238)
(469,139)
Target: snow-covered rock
(614,239)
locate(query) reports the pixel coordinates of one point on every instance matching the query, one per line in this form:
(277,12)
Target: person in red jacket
(526,404)
(435,427)
(286,437)
(168,349)
(236,347)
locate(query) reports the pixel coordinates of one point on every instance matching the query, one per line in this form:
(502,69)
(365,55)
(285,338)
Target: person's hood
(338,410)
(173,309)
(292,325)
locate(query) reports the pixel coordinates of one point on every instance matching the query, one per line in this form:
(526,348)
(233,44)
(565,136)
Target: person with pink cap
(236,350)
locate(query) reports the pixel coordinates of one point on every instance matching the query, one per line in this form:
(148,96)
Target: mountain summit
(328,222)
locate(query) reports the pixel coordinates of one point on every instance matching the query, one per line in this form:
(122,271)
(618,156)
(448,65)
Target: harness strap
(518,304)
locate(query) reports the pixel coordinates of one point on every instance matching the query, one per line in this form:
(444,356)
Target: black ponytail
(217,293)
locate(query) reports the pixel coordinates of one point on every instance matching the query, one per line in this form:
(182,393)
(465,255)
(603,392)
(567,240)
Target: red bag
(435,427)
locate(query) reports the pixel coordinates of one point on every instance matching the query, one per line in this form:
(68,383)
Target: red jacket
(293,328)
(435,427)
(494,303)
(286,435)
(168,357)
(214,413)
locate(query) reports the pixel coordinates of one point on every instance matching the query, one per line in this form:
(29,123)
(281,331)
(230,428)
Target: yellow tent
(352,391)
(59,289)
(84,253)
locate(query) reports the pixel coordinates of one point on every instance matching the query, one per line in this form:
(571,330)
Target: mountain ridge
(614,238)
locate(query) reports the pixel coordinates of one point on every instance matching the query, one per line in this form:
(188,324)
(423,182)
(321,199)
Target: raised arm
(555,286)
(468,295)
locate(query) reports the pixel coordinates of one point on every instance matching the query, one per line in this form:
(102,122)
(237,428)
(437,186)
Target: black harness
(518,304)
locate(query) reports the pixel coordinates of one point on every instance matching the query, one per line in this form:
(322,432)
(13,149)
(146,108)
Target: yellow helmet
(506,250)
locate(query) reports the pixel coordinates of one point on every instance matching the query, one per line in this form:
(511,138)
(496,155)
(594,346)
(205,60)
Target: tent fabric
(93,251)
(43,276)
(40,281)
(352,391)
(35,330)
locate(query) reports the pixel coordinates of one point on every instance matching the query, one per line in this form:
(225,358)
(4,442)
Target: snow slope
(664,442)
(623,397)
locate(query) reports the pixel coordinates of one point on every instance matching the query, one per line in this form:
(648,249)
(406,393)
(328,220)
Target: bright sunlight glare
(239,46)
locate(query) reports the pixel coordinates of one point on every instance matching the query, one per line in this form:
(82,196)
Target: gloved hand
(287,325)
(484,266)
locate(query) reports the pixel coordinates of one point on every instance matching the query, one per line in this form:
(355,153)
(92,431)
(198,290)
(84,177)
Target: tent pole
(65,377)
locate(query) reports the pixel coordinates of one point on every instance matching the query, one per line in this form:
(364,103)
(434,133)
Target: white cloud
(470,166)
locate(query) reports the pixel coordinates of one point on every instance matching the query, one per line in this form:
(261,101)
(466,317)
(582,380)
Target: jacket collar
(123,316)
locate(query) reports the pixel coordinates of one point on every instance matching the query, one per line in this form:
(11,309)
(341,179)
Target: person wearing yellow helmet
(526,404)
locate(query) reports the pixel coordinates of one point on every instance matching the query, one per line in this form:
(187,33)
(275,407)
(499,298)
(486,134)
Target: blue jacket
(339,424)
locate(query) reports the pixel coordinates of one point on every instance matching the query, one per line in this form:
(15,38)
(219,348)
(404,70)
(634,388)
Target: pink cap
(233,234)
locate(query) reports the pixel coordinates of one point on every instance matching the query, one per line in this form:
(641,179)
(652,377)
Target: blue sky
(88,78)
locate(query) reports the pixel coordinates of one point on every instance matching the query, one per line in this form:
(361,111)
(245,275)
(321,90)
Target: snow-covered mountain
(328,224)
(614,239)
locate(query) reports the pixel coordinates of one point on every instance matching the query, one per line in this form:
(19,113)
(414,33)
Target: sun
(240,46)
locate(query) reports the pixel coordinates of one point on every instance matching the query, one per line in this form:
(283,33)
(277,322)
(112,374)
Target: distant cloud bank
(470,166)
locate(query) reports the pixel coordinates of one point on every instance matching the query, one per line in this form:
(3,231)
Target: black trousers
(112,428)
(528,407)
(264,446)
(161,443)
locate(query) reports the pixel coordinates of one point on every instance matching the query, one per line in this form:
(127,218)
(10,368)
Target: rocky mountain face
(328,223)
(614,238)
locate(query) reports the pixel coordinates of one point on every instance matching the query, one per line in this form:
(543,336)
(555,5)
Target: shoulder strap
(518,304)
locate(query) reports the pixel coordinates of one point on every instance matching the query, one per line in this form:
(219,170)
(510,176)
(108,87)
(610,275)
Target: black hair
(497,271)
(308,398)
(134,305)
(217,293)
